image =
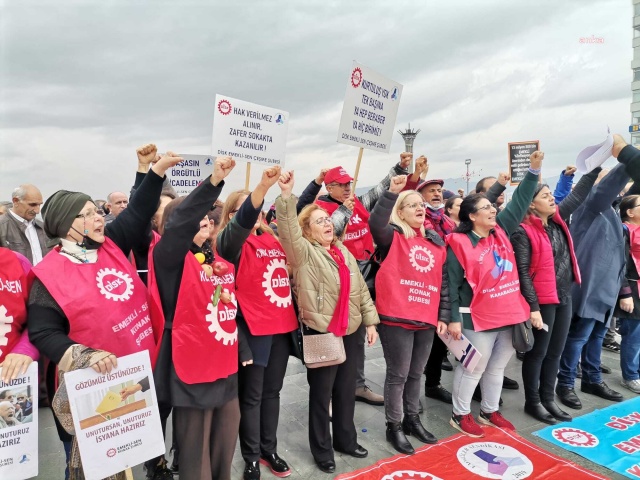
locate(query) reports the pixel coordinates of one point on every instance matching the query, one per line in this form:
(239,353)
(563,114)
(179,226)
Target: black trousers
(540,365)
(336,383)
(259,389)
(433,369)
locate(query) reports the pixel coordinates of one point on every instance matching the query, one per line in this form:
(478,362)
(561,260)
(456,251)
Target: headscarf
(60,210)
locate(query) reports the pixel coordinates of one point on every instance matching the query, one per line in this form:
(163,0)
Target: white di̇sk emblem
(110,280)
(270,283)
(5,326)
(421,258)
(213,317)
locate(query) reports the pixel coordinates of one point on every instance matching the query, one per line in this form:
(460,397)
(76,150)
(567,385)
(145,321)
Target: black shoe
(568,397)
(420,408)
(439,393)
(510,384)
(477,395)
(612,346)
(398,440)
(520,355)
(251,471)
(538,412)
(446,365)
(601,390)
(554,410)
(277,465)
(605,369)
(579,371)
(411,425)
(359,452)
(328,466)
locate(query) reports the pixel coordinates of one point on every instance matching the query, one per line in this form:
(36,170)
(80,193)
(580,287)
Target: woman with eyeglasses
(265,315)
(86,286)
(332,297)
(548,268)
(412,302)
(485,298)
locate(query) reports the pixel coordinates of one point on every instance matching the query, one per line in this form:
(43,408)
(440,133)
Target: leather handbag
(523,336)
(322,350)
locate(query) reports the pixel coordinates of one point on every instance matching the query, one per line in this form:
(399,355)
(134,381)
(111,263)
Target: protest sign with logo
(19,426)
(369,110)
(249,132)
(115,416)
(519,153)
(190,173)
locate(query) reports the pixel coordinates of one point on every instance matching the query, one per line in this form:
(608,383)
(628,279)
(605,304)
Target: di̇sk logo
(356,77)
(575,437)
(276,283)
(409,475)
(224,107)
(111,452)
(355,219)
(495,460)
(421,258)
(218,318)
(114,285)
(5,326)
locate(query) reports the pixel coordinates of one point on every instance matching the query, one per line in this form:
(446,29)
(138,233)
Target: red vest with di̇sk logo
(490,269)
(357,237)
(204,333)
(542,268)
(105,302)
(634,243)
(409,280)
(262,287)
(14,293)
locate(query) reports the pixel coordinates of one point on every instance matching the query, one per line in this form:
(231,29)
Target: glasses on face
(486,207)
(323,221)
(413,206)
(342,185)
(89,214)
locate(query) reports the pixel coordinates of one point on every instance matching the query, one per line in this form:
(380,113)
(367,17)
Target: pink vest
(14,293)
(492,274)
(634,243)
(409,280)
(542,268)
(357,237)
(105,302)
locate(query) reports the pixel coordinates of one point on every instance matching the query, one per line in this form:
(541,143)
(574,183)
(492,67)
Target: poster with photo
(19,426)
(115,416)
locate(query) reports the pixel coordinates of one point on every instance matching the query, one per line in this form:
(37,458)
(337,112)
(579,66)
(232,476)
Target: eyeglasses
(88,215)
(486,207)
(341,185)
(323,221)
(413,206)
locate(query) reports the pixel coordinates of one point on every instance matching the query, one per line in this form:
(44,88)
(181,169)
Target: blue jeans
(630,348)
(585,339)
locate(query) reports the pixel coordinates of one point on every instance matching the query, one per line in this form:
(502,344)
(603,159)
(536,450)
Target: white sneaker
(633,385)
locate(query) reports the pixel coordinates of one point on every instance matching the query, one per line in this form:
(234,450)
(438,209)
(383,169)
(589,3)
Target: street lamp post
(467,162)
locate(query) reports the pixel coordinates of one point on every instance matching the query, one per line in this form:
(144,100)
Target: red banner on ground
(499,454)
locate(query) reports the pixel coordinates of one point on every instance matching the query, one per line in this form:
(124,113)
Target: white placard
(19,426)
(463,350)
(190,173)
(370,109)
(249,132)
(115,434)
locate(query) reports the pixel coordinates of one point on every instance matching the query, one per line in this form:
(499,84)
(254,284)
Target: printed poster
(519,153)
(190,173)
(370,109)
(249,132)
(115,416)
(19,426)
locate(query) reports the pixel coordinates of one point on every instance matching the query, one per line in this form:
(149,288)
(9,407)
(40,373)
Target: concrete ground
(292,432)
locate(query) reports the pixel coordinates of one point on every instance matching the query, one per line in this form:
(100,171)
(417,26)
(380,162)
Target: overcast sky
(83,83)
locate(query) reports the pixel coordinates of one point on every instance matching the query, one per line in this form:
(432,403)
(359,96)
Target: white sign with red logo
(370,109)
(249,132)
(115,416)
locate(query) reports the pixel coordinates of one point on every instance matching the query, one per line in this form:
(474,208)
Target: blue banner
(609,437)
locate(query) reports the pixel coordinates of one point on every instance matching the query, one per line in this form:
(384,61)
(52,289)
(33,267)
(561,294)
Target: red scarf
(340,320)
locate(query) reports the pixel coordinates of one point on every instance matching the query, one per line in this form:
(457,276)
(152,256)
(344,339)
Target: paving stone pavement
(293,445)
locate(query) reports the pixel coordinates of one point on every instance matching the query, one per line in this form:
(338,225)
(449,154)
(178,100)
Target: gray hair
(19,192)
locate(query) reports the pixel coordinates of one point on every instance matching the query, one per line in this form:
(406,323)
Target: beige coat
(315,276)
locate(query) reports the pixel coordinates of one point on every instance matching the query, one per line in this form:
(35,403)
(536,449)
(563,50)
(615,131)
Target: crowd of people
(234,289)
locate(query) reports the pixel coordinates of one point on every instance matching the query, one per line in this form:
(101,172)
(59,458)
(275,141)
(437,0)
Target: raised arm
(294,244)
(370,198)
(565,182)
(499,186)
(577,196)
(310,193)
(381,231)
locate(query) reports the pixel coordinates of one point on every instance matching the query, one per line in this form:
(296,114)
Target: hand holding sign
(285,182)
(618,145)
(397,183)
(14,364)
(536,159)
(221,169)
(106,364)
(350,203)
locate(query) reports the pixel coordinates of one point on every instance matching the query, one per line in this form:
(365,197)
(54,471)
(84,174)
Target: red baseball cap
(337,175)
(429,182)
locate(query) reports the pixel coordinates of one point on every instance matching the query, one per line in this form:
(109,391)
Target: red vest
(204,336)
(262,287)
(492,274)
(634,244)
(105,302)
(542,267)
(357,237)
(14,293)
(409,280)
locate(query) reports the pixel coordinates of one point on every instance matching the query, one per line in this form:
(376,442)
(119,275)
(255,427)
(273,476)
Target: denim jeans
(630,348)
(584,340)
(496,349)
(406,353)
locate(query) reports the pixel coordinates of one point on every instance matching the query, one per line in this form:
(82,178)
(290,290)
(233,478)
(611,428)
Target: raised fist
(536,159)
(405,159)
(147,154)
(166,161)
(285,182)
(321,175)
(270,176)
(570,170)
(422,165)
(221,168)
(503,178)
(397,183)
